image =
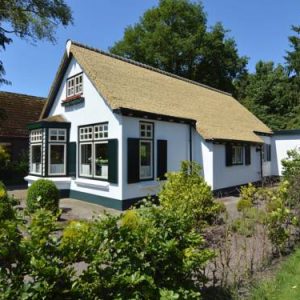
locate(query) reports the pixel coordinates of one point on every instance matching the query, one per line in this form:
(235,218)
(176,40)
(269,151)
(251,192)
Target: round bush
(43,194)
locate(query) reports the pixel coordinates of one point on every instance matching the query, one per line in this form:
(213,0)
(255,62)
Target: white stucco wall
(93,110)
(281,143)
(178,137)
(178,150)
(234,175)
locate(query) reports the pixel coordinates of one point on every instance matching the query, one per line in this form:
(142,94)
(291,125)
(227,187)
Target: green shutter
(162,158)
(133,158)
(247,154)
(113,161)
(72,159)
(228,154)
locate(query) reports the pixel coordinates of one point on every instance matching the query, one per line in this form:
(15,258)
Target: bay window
(94,151)
(36,139)
(57,151)
(36,159)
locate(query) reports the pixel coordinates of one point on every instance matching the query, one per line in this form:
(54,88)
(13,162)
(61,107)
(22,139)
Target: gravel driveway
(71,209)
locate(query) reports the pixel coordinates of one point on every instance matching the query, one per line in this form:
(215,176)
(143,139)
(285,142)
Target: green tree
(174,37)
(271,95)
(31,19)
(293,56)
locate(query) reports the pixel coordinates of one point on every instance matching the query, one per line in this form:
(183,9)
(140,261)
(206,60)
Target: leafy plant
(187,193)
(43,194)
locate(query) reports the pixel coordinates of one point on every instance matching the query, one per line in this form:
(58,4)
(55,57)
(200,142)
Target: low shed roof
(17,110)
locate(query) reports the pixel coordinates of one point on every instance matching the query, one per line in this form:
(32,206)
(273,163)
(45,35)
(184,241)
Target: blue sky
(260,28)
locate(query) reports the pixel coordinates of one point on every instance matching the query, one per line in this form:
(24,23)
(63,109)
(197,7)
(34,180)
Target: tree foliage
(271,95)
(174,37)
(272,92)
(31,19)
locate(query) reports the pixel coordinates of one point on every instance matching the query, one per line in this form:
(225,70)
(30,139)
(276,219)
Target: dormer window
(74,85)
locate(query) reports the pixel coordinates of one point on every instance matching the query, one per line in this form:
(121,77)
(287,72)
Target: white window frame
(36,136)
(148,129)
(57,135)
(94,160)
(73,88)
(150,141)
(41,163)
(84,134)
(49,159)
(101,129)
(235,159)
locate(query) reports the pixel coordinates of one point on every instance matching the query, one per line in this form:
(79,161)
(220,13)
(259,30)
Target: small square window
(100,131)
(57,135)
(146,130)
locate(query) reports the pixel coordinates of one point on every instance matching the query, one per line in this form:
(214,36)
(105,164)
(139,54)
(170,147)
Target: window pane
(86,160)
(57,159)
(101,160)
(146,130)
(145,159)
(36,159)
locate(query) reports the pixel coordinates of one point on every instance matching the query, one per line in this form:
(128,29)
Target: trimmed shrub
(43,194)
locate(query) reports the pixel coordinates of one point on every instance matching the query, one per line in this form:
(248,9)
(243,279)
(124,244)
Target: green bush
(244,204)
(6,209)
(186,192)
(43,194)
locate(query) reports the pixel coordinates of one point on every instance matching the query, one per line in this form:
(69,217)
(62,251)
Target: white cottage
(112,126)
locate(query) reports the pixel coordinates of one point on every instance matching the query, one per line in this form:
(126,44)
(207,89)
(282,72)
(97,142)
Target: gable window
(36,138)
(74,85)
(57,151)
(94,151)
(146,150)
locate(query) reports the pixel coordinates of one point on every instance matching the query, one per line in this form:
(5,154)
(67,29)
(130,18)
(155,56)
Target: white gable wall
(93,110)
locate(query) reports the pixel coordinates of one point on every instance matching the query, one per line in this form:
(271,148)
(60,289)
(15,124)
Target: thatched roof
(124,83)
(18,110)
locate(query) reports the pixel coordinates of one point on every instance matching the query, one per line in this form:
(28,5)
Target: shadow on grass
(217,293)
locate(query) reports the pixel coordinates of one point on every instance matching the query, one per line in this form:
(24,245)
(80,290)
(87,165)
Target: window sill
(148,185)
(100,185)
(76,99)
(60,182)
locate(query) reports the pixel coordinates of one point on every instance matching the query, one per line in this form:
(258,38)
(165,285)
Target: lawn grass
(285,285)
